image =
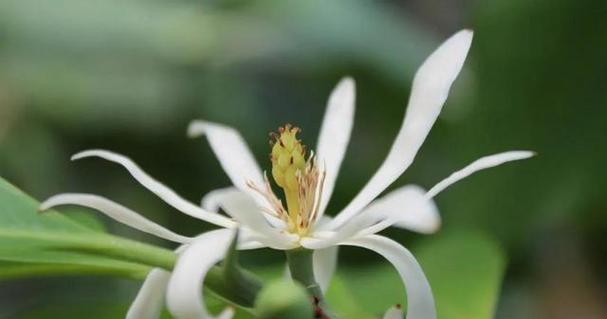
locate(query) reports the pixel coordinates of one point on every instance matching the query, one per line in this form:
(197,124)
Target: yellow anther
(298,177)
(287,157)
(288,163)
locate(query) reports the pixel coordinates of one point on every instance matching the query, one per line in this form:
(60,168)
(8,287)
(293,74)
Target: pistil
(299,178)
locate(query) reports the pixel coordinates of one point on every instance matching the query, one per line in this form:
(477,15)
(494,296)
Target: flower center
(299,178)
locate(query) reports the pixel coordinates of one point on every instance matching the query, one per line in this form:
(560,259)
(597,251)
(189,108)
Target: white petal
(165,193)
(394,313)
(150,298)
(232,152)
(428,93)
(218,198)
(406,207)
(419,295)
(244,210)
(335,135)
(210,201)
(184,293)
(323,239)
(234,156)
(227,313)
(116,212)
(324,263)
(479,164)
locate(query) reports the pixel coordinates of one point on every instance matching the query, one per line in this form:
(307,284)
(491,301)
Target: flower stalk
(301,266)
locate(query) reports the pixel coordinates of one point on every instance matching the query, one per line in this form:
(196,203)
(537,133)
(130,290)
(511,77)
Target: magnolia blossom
(307,180)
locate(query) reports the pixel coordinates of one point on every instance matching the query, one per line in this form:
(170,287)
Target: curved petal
(394,313)
(419,295)
(219,198)
(428,93)
(234,156)
(184,292)
(210,201)
(232,152)
(244,210)
(480,164)
(406,207)
(165,193)
(323,239)
(324,263)
(150,298)
(335,135)
(116,212)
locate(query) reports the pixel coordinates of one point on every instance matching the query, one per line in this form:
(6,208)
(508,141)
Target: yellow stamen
(299,178)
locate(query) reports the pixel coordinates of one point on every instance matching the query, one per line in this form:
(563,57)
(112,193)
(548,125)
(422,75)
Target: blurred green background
(129,75)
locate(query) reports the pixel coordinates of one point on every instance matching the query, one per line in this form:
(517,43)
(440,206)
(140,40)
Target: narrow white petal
(232,152)
(324,239)
(116,212)
(227,313)
(165,193)
(480,164)
(406,207)
(234,156)
(428,93)
(394,313)
(218,198)
(244,210)
(184,293)
(335,135)
(420,302)
(150,298)
(211,200)
(324,263)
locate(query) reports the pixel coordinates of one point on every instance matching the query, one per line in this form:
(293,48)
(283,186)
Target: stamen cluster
(300,179)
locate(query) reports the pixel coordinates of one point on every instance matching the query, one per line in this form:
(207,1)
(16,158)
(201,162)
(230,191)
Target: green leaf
(344,303)
(32,244)
(85,219)
(52,243)
(465,270)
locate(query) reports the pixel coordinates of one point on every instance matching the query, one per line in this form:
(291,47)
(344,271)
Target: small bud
(284,299)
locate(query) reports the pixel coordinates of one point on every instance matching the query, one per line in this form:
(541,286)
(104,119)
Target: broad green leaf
(343,302)
(465,271)
(32,243)
(52,243)
(85,219)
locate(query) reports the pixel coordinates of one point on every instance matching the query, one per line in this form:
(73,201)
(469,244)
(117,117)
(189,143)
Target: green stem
(301,266)
(302,270)
(236,286)
(239,286)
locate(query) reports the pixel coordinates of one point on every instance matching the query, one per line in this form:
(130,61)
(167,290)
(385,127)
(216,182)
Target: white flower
(307,184)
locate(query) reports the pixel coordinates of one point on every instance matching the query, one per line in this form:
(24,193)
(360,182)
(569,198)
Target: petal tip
(47,204)
(435,227)
(347,81)
(89,153)
(395,312)
(196,128)
(80,155)
(524,154)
